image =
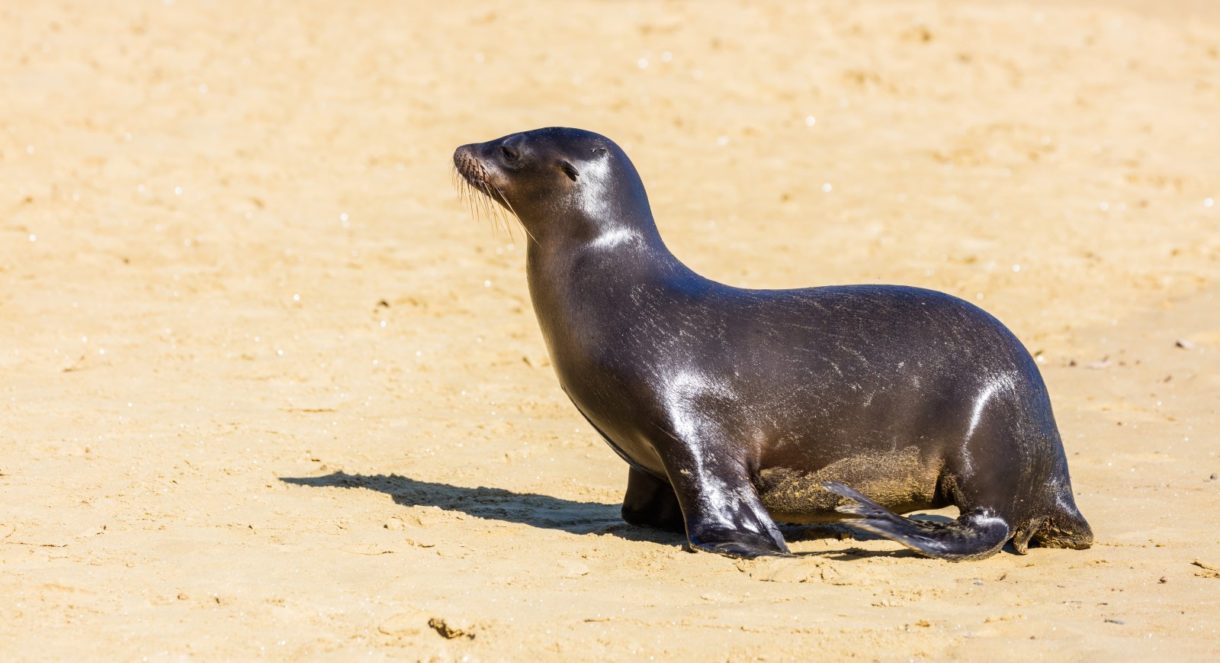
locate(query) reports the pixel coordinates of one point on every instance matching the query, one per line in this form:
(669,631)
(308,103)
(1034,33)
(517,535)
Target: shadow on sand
(531,509)
(548,512)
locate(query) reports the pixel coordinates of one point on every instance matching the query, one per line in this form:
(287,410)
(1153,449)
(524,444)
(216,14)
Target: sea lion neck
(607,267)
(611,253)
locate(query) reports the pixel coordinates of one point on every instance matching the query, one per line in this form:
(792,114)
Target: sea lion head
(559,182)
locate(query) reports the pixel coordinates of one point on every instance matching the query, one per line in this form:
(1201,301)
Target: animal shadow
(542,511)
(547,512)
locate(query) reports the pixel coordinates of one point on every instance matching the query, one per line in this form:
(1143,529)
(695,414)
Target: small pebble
(451,628)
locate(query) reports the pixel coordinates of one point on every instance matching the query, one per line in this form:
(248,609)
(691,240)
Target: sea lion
(739,408)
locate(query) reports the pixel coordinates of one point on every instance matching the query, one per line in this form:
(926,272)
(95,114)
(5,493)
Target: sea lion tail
(1063,527)
(976,534)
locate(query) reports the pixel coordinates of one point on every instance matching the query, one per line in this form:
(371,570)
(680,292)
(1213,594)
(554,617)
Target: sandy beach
(270,390)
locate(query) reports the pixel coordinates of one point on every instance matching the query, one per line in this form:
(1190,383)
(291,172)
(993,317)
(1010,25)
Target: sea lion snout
(466,160)
(474,168)
(462,155)
(462,152)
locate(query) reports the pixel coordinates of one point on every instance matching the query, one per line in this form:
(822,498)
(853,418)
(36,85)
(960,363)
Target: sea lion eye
(510,155)
(569,170)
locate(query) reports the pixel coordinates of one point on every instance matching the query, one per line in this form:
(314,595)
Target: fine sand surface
(269,389)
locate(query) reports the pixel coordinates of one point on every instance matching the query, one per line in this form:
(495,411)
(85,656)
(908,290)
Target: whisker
(484,206)
(514,212)
(503,223)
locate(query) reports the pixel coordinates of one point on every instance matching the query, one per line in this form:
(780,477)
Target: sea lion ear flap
(569,170)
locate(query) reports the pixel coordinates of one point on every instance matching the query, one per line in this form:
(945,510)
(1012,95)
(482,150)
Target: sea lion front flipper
(733,529)
(977,533)
(721,507)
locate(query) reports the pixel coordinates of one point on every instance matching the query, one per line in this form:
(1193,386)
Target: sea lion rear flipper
(975,534)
